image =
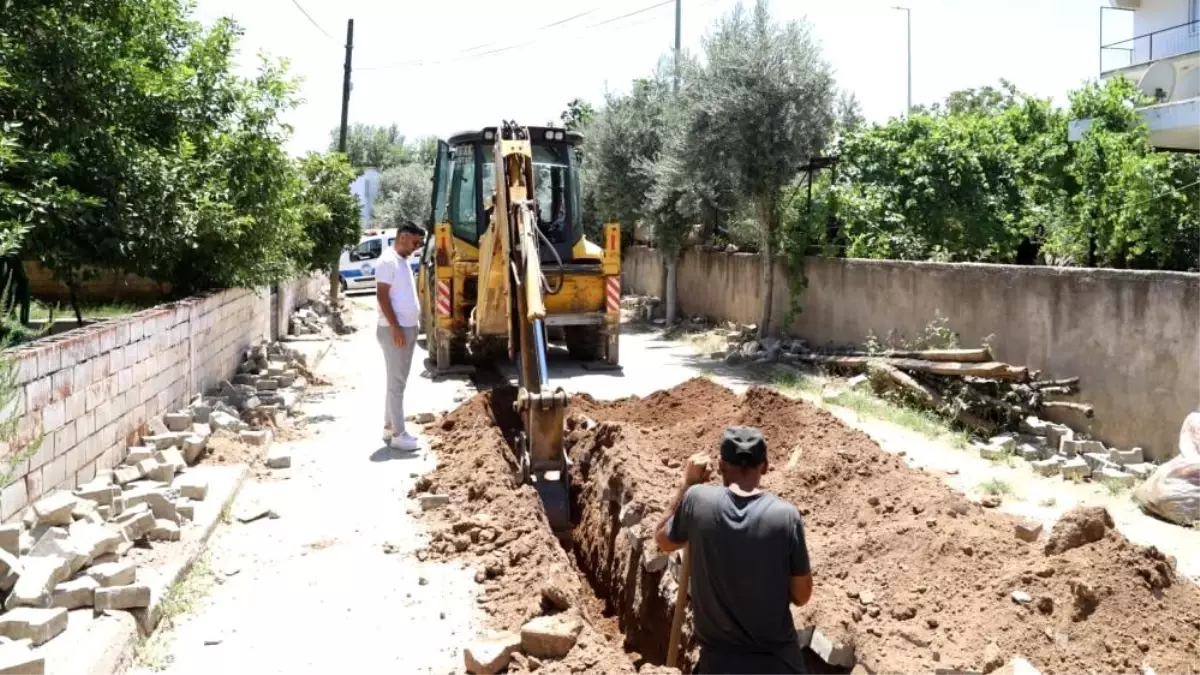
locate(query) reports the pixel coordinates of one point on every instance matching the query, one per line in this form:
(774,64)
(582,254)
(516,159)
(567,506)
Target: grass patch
(154,652)
(227,513)
(791,381)
(706,342)
(1048,502)
(869,405)
(996,486)
(41,311)
(1114,487)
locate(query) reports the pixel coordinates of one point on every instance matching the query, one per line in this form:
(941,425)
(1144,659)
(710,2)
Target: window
(463,217)
(367,250)
(554,179)
(1194,17)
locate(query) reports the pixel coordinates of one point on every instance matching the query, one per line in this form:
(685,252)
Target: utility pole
(334,276)
(908,24)
(678,39)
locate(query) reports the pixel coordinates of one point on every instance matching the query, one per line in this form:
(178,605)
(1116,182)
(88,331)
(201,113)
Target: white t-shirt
(397,273)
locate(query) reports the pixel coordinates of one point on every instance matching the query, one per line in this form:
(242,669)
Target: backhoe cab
(582,278)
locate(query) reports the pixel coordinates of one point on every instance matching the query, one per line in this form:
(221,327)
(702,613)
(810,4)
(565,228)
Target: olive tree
(760,108)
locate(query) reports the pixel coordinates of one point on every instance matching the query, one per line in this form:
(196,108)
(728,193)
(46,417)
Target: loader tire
(585,343)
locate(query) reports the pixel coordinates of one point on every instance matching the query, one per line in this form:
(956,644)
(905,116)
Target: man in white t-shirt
(399,316)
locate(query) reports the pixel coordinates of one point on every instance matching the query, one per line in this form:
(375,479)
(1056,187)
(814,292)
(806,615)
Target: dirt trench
(909,575)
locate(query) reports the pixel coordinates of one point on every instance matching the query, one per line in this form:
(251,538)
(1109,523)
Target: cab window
(367,250)
(463,214)
(555,180)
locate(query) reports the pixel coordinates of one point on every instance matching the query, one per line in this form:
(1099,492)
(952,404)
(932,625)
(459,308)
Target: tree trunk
(766,218)
(335,286)
(662,276)
(75,301)
(672,289)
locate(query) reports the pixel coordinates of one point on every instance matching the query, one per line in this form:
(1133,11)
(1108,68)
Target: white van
(357,265)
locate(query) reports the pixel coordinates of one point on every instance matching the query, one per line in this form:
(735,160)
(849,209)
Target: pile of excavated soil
(908,573)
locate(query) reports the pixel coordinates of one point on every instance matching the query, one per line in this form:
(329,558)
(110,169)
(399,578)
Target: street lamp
(908,24)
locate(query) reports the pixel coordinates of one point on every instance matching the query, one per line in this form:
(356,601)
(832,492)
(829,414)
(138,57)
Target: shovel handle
(681,598)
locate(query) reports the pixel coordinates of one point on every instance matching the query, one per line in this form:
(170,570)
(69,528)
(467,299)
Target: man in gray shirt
(748,558)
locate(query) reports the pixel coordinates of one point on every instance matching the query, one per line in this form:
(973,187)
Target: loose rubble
(915,577)
(317,318)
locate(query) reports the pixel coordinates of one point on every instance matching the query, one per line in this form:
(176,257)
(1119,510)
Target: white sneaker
(405,441)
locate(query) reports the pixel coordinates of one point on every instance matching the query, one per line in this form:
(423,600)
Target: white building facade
(366,188)
(1163,57)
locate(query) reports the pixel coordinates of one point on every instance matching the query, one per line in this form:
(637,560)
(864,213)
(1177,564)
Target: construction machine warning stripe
(614,294)
(443,298)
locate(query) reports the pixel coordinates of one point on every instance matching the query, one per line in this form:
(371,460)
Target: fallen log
(928,397)
(980,355)
(1084,408)
(992,370)
(1072,382)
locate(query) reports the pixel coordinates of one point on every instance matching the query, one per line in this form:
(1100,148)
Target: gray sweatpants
(397,363)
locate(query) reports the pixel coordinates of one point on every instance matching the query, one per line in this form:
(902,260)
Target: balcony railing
(1143,49)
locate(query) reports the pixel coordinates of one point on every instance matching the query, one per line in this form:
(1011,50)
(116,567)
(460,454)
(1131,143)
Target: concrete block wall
(1133,337)
(89,392)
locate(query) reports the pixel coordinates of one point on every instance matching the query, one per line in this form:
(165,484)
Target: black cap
(743,446)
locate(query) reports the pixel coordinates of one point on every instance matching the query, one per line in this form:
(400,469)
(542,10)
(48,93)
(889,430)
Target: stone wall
(1132,337)
(89,392)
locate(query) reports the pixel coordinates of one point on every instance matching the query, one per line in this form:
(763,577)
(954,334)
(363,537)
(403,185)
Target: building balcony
(1131,57)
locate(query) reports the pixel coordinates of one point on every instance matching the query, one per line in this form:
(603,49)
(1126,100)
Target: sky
(435,68)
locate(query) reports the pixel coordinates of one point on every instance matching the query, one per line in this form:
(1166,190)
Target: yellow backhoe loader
(508,268)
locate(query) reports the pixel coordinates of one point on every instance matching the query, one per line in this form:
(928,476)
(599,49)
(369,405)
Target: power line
(472,53)
(312,21)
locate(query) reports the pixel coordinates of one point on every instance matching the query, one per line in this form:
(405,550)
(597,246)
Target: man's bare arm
(800,590)
(385,303)
(695,471)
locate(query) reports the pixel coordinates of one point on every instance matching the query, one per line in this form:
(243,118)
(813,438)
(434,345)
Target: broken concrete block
(172,458)
(10,569)
(201,430)
(1097,461)
(162,473)
(96,540)
(192,486)
(101,494)
(17,658)
(488,657)
(223,420)
(1035,426)
(55,509)
(1126,457)
(161,441)
(992,452)
(1071,447)
(267,384)
(34,624)
(164,530)
(112,574)
(193,447)
(1056,432)
(137,454)
(279,458)
(146,466)
(1075,469)
(134,596)
(135,524)
(252,511)
(56,543)
(124,475)
(260,437)
(200,414)
(1006,442)
(178,421)
(550,636)
(1028,530)
(105,512)
(1112,475)
(186,509)
(160,500)
(1140,470)
(10,538)
(1029,453)
(654,561)
(831,651)
(75,593)
(35,583)
(431,502)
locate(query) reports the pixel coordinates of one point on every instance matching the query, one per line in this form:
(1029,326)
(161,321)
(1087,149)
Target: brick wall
(89,392)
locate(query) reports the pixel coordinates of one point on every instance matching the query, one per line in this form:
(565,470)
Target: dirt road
(334,583)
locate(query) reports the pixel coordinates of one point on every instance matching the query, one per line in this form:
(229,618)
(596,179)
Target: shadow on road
(389,454)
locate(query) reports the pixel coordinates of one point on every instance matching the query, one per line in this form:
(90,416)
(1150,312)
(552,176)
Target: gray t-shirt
(744,552)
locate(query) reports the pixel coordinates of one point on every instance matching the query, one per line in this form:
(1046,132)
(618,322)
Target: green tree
(579,114)
(405,193)
(762,106)
(384,147)
(330,211)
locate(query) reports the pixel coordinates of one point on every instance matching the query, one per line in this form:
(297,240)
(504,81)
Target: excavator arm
(512,295)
